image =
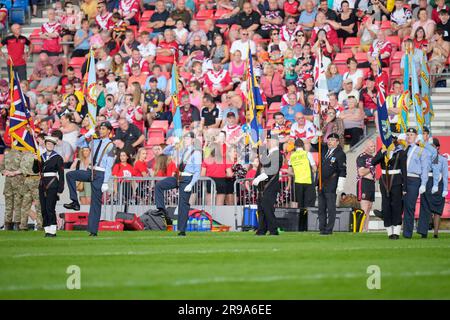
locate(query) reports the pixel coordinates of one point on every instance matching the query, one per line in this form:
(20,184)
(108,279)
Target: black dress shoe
(276,233)
(168,221)
(378,213)
(423,236)
(392,237)
(396,236)
(92,234)
(50,235)
(435,236)
(182,234)
(323,233)
(72,206)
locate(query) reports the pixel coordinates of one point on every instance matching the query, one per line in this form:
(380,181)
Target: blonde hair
(328,72)
(287,51)
(138,154)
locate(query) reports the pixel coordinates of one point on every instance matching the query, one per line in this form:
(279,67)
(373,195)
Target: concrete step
(440,98)
(441,90)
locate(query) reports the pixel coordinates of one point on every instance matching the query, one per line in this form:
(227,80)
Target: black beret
(107,125)
(426,130)
(436,142)
(333,135)
(412,130)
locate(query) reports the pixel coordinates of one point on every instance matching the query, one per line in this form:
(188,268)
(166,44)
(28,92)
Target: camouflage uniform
(13,188)
(30,191)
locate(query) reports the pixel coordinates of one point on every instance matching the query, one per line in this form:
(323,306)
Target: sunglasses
(275,33)
(300,35)
(245,34)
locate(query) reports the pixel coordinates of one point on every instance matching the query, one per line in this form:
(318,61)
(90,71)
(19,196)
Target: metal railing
(137,195)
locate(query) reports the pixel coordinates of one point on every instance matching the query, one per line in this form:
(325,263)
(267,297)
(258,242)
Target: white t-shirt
(366,37)
(243,47)
(358,74)
(307,132)
(147,50)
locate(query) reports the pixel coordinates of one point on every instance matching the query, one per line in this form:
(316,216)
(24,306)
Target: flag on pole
(91,90)
(320,89)
(177,124)
(21,125)
(255,104)
(427,105)
(383,119)
(416,98)
(405,99)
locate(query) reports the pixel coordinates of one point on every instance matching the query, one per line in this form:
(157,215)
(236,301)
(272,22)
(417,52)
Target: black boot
(378,213)
(72,206)
(9,226)
(17,226)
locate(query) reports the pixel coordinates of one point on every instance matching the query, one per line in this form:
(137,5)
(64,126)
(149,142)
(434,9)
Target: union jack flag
(21,126)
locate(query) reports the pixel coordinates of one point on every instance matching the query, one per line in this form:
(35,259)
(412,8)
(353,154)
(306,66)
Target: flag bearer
(392,187)
(51,168)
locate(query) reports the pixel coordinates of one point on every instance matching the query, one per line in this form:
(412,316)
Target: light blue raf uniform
(418,166)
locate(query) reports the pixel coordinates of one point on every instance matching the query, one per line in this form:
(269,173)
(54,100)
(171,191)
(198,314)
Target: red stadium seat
(155,136)
(204,14)
(275,106)
(146,15)
(397,56)
(342,57)
(342,68)
(77,61)
(220,12)
(269,123)
(352,42)
(395,41)
(385,25)
(161,125)
(361,57)
(145,28)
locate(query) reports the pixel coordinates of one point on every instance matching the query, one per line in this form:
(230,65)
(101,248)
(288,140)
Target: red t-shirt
(128,6)
(214,169)
(173,46)
(291,8)
(16,49)
(140,168)
(5,19)
(171,169)
(120,170)
(51,45)
(105,22)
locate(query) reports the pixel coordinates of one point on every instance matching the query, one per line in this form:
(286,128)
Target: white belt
(397,171)
(430,174)
(413,175)
(186,174)
(50,174)
(98,168)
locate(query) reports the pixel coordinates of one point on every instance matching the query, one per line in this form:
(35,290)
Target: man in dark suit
(266,180)
(334,172)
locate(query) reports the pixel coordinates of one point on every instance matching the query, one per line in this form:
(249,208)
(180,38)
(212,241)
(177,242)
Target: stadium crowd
(135,44)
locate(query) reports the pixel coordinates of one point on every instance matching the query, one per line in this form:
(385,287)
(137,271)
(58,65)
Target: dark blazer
(54,164)
(334,166)
(271,165)
(398,161)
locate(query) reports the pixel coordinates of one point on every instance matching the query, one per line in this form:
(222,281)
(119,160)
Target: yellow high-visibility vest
(300,164)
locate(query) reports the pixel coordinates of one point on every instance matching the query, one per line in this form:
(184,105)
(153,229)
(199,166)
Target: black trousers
(355,133)
(79,53)
(273,99)
(48,199)
(21,71)
(266,208)
(327,211)
(305,196)
(391,205)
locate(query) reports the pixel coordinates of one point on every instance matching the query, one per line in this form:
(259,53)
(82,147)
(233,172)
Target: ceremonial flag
(21,126)
(254,103)
(177,125)
(416,98)
(91,90)
(405,99)
(383,119)
(320,88)
(427,106)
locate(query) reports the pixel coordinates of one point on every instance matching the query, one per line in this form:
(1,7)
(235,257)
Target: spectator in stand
(365,183)
(378,11)
(353,118)
(272,84)
(232,129)
(161,79)
(281,127)
(329,27)
(291,8)
(123,168)
(63,148)
(420,42)
(367,32)
(243,44)
(195,31)
(353,73)
(137,75)
(82,162)
(423,4)
(154,103)
(17,55)
(334,78)
(289,30)
(128,45)
(147,49)
(3,16)
(69,24)
(89,7)
(158,19)
(120,27)
(70,130)
(136,58)
(220,50)
(103,17)
(393,105)
(379,48)
(30,95)
(347,92)
(180,13)
(140,165)
(217,80)
(197,51)
(368,97)
(190,116)
(130,11)
(81,40)
(237,68)
(167,50)
(51,35)
(329,13)
(128,137)
(164,166)
(247,19)
(293,107)
(68,78)
(307,17)
(440,50)
(210,115)
(435,14)
(333,124)
(302,128)
(347,21)
(195,94)
(401,20)
(49,83)
(271,18)
(118,66)
(424,22)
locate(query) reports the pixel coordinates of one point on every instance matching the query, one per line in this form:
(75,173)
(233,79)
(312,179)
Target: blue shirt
(418,162)
(193,162)
(441,170)
(289,112)
(84,45)
(335,83)
(162,83)
(306,17)
(107,161)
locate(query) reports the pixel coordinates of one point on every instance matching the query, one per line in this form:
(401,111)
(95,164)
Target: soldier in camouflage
(12,188)
(30,191)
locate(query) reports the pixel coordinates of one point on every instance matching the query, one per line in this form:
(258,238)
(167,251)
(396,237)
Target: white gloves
(422,189)
(90,133)
(260,178)
(444,194)
(188,188)
(341,183)
(319,133)
(434,189)
(105,187)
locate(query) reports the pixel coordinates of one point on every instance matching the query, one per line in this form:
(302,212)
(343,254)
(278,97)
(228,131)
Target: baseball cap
(348,80)
(153,79)
(231,114)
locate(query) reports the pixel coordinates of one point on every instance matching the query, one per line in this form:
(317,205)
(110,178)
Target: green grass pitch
(160,265)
